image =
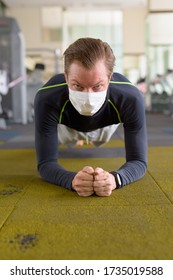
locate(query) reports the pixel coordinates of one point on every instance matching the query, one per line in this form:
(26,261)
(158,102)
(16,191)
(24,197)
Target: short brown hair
(87,51)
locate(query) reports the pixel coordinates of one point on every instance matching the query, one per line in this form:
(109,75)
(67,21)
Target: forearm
(131,171)
(55,174)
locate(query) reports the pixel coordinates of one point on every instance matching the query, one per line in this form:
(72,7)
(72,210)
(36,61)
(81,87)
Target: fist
(83,181)
(104,182)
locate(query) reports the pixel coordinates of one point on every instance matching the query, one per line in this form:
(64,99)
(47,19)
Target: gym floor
(41,221)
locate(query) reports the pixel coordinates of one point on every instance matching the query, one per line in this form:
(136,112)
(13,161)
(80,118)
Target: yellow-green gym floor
(41,221)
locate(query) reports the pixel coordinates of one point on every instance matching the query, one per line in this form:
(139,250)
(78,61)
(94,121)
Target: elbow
(145,166)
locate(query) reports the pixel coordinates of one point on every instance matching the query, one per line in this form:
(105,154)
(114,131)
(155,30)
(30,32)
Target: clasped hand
(89,181)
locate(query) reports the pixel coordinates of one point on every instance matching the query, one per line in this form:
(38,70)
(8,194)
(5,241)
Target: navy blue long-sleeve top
(124,104)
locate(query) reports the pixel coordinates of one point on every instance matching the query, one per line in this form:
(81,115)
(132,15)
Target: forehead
(78,72)
(77,69)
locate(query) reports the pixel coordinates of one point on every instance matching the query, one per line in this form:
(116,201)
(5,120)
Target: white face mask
(87,103)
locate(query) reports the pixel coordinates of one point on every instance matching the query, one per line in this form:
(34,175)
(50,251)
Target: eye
(77,86)
(97,87)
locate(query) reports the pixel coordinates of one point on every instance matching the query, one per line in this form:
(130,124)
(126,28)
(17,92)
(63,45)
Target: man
(89,101)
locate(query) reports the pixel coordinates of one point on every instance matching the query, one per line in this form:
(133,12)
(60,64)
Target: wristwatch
(118,181)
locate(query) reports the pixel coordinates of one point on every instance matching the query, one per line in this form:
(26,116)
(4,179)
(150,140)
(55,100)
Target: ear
(66,77)
(110,77)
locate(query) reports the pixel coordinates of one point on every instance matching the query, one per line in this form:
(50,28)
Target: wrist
(118,181)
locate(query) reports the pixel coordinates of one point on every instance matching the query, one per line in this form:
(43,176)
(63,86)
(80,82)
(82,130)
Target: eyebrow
(73,80)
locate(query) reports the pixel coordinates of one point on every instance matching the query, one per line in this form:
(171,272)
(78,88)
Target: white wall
(134,19)
(29,22)
(134,31)
(160,5)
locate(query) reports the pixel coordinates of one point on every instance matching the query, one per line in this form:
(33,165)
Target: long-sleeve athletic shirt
(124,104)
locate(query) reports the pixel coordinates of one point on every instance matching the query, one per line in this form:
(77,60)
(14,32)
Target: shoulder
(55,82)
(54,91)
(117,77)
(119,81)
(127,97)
(121,86)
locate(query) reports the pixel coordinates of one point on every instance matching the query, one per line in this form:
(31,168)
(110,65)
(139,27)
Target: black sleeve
(46,143)
(135,134)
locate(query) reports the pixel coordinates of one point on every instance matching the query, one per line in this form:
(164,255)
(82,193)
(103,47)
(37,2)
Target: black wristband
(118,181)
